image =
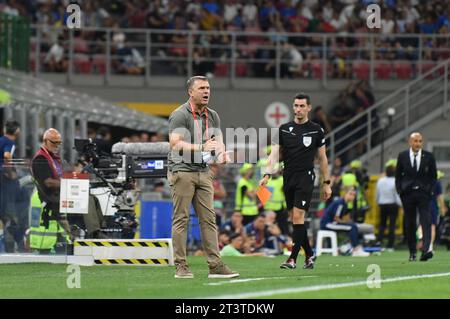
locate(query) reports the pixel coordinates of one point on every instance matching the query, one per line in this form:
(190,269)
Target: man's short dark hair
(192,80)
(390,171)
(301,96)
(263,215)
(11,127)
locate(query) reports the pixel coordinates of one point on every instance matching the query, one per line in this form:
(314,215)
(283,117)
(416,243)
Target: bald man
(47,169)
(415,177)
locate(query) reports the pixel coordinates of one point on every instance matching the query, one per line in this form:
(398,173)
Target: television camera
(113,179)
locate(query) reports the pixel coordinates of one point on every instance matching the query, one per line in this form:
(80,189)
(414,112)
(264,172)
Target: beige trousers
(195,188)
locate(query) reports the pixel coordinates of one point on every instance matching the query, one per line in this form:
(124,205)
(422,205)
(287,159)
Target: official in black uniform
(415,177)
(299,142)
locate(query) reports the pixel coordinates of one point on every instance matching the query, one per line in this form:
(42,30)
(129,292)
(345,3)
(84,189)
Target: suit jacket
(406,178)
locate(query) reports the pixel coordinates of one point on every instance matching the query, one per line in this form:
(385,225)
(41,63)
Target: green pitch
(333,277)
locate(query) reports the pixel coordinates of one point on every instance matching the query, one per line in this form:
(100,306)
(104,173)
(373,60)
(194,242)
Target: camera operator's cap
(356,164)
(391,163)
(245,168)
(440,174)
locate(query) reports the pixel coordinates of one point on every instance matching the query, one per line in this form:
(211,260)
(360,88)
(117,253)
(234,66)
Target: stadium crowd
(347,55)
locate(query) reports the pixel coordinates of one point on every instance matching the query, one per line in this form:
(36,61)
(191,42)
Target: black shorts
(298,188)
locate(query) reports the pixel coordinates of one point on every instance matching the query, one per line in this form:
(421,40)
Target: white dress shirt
(418,156)
(386,192)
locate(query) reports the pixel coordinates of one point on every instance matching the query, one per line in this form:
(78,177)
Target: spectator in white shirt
(338,21)
(389,202)
(327,11)
(55,60)
(230,10)
(387,23)
(250,13)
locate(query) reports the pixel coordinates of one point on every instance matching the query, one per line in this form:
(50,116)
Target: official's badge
(307,140)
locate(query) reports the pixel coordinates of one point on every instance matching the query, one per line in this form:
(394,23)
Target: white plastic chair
(321,235)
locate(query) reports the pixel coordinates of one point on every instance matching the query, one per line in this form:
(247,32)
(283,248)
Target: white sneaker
(360,253)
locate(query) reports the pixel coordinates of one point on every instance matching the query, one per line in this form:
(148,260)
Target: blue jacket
(337,208)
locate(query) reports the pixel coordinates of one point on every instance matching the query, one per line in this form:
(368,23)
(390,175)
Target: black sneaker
(426,256)
(309,262)
(289,264)
(412,257)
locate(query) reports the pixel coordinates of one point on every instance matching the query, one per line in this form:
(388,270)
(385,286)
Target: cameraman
(47,169)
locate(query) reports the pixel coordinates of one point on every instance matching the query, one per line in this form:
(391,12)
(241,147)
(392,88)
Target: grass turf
(258,274)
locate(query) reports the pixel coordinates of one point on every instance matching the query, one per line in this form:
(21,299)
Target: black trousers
(388,211)
(282,221)
(416,202)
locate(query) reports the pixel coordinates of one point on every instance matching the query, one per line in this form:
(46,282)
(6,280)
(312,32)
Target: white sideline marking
(266,293)
(234,281)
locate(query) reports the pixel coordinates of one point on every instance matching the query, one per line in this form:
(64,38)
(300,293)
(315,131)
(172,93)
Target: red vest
(51,159)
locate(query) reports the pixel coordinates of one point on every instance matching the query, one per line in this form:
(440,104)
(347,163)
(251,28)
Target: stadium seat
(137,20)
(383,70)
(445,54)
(254,38)
(80,46)
(317,69)
(249,49)
(361,69)
(99,63)
(32,62)
(321,235)
(221,69)
(427,66)
(82,64)
(241,69)
(442,70)
(403,70)
(233,28)
(33,44)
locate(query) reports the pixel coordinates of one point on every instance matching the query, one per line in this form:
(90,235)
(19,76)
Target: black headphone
(12,127)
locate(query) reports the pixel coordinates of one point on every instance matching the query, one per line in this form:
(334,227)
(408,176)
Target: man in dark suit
(415,177)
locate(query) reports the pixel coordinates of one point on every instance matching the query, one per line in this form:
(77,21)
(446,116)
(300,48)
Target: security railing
(237,54)
(394,116)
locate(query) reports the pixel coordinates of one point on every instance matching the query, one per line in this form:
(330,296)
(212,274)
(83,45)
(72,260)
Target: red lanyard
(198,125)
(52,162)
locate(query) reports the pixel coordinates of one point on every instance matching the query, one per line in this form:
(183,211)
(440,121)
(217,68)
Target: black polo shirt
(41,172)
(299,144)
